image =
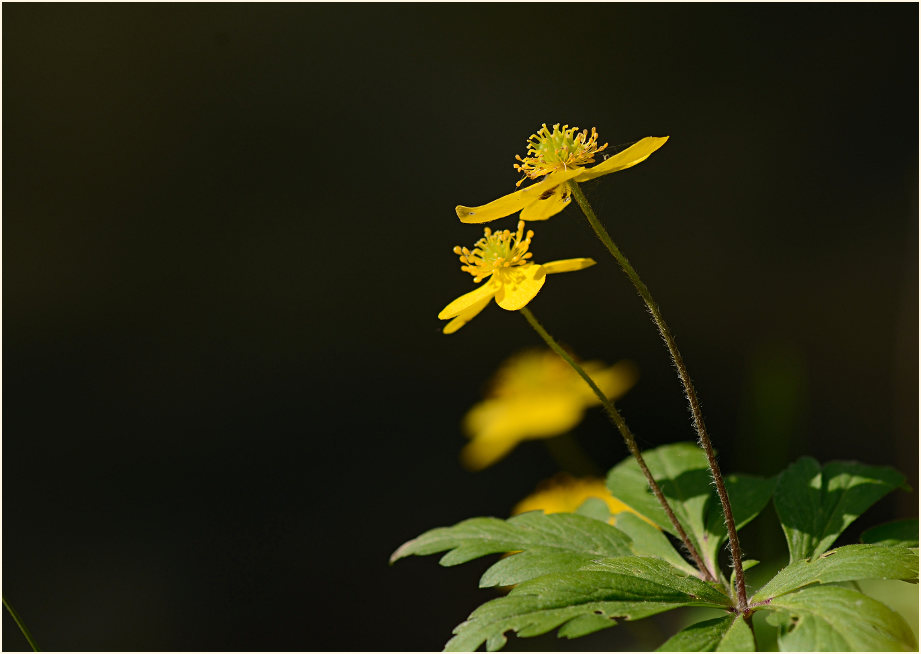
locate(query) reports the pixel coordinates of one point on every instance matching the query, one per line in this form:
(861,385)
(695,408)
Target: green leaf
(595,507)
(848,563)
(816,504)
(583,602)
(647,540)
(727,634)
(683,474)
(659,572)
(901,533)
(558,542)
(831,618)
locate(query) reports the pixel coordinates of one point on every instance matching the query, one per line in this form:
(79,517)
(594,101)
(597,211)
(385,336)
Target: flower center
(557,150)
(496,251)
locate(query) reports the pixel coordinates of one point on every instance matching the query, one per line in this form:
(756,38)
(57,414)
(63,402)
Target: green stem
(21,625)
(693,402)
(624,430)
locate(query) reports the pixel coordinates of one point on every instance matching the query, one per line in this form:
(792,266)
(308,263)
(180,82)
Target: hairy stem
(693,402)
(624,430)
(21,625)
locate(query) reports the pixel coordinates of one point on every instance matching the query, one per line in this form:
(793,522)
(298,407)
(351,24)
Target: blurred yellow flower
(514,279)
(535,394)
(558,156)
(565,494)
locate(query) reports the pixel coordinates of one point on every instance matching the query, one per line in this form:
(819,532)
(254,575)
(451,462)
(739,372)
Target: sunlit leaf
(646,540)
(545,543)
(595,507)
(848,563)
(628,588)
(831,618)
(727,634)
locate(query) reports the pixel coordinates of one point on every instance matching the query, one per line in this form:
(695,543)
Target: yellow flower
(514,279)
(535,394)
(565,494)
(558,156)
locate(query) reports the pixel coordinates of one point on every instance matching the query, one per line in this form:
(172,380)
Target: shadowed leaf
(901,533)
(683,474)
(816,504)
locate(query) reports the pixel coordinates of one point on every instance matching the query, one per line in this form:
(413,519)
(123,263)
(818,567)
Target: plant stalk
(693,402)
(624,430)
(21,625)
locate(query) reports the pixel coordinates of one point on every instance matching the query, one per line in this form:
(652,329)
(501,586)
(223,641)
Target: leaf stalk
(627,435)
(21,625)
(690,392)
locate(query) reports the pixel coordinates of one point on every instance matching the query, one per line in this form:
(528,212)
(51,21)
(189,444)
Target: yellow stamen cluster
(558,150)
(496,251)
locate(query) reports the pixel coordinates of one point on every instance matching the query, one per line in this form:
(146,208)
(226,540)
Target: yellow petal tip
(453,326)
(466,214)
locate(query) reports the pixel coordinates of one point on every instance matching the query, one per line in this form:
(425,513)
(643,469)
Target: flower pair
(560,156)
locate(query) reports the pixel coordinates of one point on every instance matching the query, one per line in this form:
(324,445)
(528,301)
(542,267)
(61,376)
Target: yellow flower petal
(549,203)
(496,425)
(466,316)
(535,394)
(567,265)
(565,494)
(538,415)
(480,454)
(613,381)
(469,300)
(518,285)
(509,204)
(636,153)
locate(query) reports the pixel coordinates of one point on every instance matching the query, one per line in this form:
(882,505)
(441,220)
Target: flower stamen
(557,150)
(496,251)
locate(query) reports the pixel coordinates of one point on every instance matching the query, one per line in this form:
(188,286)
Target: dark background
(228,232)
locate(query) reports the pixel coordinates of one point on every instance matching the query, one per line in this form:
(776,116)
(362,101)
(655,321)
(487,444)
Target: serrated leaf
(583,602)
(900,533)
(816,504)
(727,634)
(646,540)
(683,474)
(848,563)
(831,618)
(545,543)
(659,572)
